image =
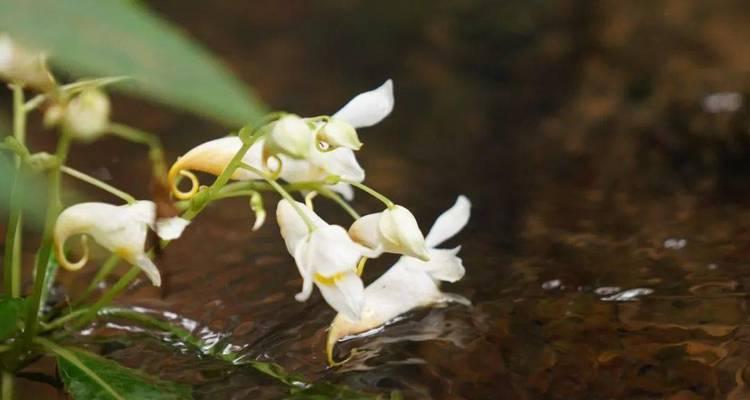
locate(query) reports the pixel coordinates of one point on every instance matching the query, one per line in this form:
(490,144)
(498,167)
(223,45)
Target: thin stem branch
(101,274)
(108,296)
(45,249)
(338,200)
(388,203)
(7,385)
(96,182)
(275,185)
(156,154)
(54,324)
(13,246)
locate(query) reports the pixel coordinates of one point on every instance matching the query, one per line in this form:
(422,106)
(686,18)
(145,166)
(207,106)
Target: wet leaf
(118,37)
(127,383)
(11,315)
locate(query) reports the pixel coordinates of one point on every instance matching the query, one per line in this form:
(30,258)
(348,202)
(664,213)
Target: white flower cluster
(298,150)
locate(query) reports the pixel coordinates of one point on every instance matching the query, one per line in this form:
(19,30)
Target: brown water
(607,253)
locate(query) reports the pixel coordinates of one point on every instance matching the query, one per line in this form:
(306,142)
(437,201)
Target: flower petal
(344,189)
(365,230)
(333,252)
(345,295)
(147,266)
(171,228)
(444,265)
(368,108)
(449,222)
(341,162)
(292,226)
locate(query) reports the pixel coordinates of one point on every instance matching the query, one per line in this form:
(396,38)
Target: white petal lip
(368,108)
(345,296)
(450,222)
(171,228)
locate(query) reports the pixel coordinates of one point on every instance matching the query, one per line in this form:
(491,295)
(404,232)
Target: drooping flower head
(325,256)
(410,283)
(120,229)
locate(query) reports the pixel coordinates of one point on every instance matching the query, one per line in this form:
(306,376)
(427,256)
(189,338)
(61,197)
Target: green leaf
(11,316)
(76,373)
(120,37)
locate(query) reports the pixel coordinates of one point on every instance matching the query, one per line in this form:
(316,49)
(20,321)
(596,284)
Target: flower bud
(291,136)
(19,65)
(87,115)
(338,133)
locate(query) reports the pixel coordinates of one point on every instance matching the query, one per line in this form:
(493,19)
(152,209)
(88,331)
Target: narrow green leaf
(92,377)
(121,37)
(11,315)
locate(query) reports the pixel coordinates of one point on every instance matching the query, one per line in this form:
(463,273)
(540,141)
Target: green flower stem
(45,249)
(388,203)
(101,274)
(54,324)
(96,182)
(108,296)
(12,253)
(156,154)
(7,386)
(275,185)
(338,200)
(238,193)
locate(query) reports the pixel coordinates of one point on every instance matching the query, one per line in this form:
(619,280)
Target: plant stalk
(13,237)
(45,249)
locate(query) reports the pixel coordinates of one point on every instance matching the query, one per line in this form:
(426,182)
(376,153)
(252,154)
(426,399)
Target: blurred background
(604,145)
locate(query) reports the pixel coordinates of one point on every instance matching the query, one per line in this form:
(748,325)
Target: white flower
(87,115)
(213,157)
(19,65)
(410,283)
(393,230)
(326,256)
(120,229)
(364,110)
(291,136)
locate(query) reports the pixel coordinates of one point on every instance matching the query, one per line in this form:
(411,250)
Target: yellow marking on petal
(328,280)
(361,266)
(124,253)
